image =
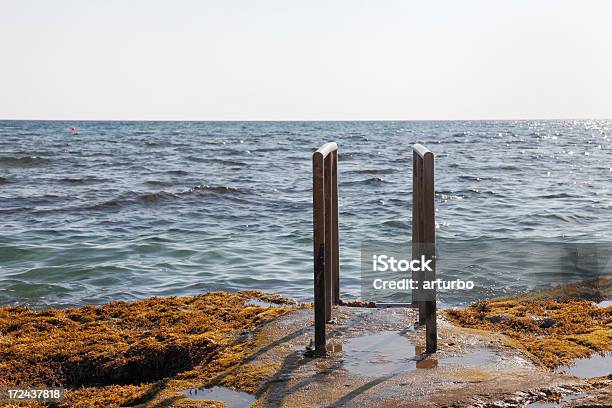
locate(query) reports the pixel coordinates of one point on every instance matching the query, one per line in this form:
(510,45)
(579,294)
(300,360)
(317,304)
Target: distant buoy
(73,130)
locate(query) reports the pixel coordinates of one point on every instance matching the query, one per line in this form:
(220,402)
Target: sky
(305,60)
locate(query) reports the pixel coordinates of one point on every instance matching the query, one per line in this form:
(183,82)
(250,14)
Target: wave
(367,182)
(214,189)
(477,178)
(271,149)
(224,162)
(560,195)
(570,218)
(178,172)
(470,178)
(116,202)
(403,225)
(163,195)
(374,171)
(133,198)
(464,193)
(82,180)
(453,141)
(502,167)
(14,210)
(165,143)
(22,161)
(159,183)
(350,155)
(156,196)
(448,196)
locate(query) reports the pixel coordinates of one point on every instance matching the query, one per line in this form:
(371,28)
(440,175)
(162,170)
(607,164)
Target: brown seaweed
(555,325)
(122,353)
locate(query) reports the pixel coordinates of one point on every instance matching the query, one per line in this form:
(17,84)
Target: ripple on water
(22,161)
(118,182)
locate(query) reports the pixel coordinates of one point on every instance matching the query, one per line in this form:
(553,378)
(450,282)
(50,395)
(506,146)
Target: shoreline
(151,351)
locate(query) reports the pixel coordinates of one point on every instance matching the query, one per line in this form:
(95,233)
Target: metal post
(417,226)
(318,207)
(429,238)
(335,237)
(325,242)
(329,244)
(424,236)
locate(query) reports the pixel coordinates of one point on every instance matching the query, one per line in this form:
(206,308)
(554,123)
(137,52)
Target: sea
(128,210)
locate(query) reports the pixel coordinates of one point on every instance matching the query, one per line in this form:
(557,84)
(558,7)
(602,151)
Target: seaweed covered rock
(120,351)
(555,325)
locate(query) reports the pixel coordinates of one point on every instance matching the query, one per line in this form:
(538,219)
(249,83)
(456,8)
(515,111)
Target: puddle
(549,404)
(230,398)
(471,358)
(594,366)
(387,353)
(604,303)
(380,354)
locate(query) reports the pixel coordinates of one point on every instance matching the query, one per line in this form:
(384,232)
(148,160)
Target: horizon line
(303,120)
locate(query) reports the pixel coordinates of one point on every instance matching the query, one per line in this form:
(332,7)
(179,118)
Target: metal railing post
(429,238)
(325,239)
(329,247)
(318,207)
(335,232)
(424,235)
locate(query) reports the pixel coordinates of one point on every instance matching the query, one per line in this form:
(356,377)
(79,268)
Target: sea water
(126,210)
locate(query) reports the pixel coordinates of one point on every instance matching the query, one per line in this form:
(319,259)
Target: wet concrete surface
(379,362)
(379,354)
(376,359)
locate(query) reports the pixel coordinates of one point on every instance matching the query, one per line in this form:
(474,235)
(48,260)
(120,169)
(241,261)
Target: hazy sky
(283,59)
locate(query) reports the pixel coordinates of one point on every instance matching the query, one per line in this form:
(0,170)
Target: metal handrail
(327,148)
(424,232)
(421,150)
(325,242)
